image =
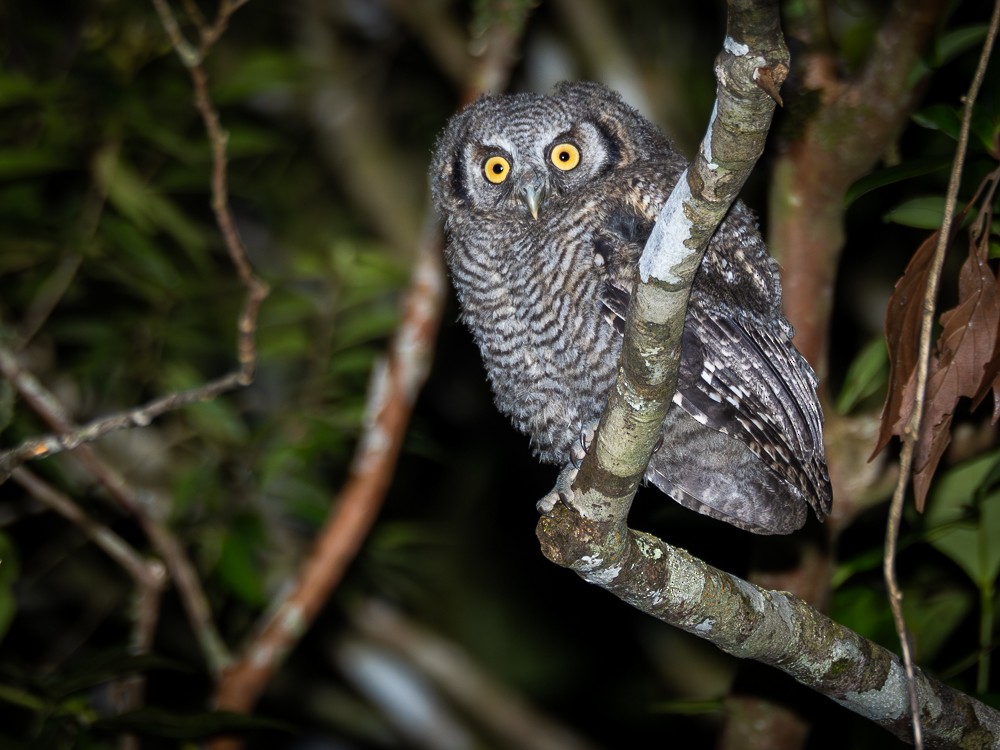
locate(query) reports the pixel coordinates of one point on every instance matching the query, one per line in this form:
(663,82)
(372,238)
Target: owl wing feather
(743,380)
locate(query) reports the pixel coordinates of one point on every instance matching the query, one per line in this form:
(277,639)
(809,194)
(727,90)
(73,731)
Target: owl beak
(533,194)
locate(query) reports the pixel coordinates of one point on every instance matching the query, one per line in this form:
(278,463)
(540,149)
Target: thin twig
(257,290)
(149,576)
(146,574)
(192,59)
(911,432)
(140,416)
(181,570)
(52,291)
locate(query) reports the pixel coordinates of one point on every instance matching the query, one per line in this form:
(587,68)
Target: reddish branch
(395,384)
(858,119)
(394,387)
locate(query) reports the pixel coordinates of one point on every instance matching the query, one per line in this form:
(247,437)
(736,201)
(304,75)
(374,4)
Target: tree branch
(592,539)
(181,570)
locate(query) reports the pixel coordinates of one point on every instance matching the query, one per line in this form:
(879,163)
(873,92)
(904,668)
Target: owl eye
(565,156)
(496,169)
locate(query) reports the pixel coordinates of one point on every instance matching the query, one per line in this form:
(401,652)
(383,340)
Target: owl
(547,202)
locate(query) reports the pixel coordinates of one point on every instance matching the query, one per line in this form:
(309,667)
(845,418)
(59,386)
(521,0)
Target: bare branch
(478,694)
(140,416)
(778,629)
(148,575)
(181,570)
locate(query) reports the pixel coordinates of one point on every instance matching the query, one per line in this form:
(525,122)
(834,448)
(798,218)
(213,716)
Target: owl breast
(534,307)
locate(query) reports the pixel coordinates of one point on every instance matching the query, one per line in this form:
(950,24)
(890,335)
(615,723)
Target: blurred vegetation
(115,288)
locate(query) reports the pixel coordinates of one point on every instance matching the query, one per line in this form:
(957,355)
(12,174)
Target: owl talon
(579,450)
(561,493)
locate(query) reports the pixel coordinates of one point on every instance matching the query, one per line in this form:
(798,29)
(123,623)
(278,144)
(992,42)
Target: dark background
(115,288)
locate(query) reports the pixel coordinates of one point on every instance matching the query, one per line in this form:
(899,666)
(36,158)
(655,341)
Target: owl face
(518,169)
(521,156)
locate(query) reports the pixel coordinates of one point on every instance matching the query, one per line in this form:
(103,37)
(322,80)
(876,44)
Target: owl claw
(579,450)
(561,493)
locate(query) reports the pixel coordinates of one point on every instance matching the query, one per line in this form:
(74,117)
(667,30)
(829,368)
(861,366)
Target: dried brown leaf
(902,333)
(964,363)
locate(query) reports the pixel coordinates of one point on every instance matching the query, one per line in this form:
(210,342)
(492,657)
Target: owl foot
(579,450)
(561,493)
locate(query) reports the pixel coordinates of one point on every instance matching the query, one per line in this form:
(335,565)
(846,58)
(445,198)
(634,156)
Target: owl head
(521,154)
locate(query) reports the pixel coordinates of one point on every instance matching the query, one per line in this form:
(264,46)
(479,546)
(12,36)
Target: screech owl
(547,202)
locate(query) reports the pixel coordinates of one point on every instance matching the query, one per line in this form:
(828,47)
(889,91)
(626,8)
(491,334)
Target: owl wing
(761,458)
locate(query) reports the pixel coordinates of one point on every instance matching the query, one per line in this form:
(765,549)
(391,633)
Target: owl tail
(716,475)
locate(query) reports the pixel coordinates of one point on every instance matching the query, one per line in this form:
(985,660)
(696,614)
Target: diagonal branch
(593,539)
(181,570)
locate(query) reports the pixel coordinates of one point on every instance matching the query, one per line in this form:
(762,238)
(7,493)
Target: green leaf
(934,617)
(18,89)
(371,325)
(258,72)
(142,203)
(985,125)
(18,163)
(155,722)
(217,419)
(866,375)
(281,343)
(9,574)
(891,175)
(247,140)
(963,518)
(237,568)
(953,43)
(865,610)
(138,261)
(105,666)
(941,117)
(922,213)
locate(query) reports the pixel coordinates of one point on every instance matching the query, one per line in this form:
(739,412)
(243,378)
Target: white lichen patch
(735,48)
(687,583)
(652,551)
(603,576)
(293,619)
(888,702)
(705,626)
(706,143)
(753,595)
(665,247)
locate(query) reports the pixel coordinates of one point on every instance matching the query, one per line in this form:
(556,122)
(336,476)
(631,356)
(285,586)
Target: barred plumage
(547,202)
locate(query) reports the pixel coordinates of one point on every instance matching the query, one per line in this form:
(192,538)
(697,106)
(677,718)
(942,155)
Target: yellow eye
(565,156)
(496,169)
